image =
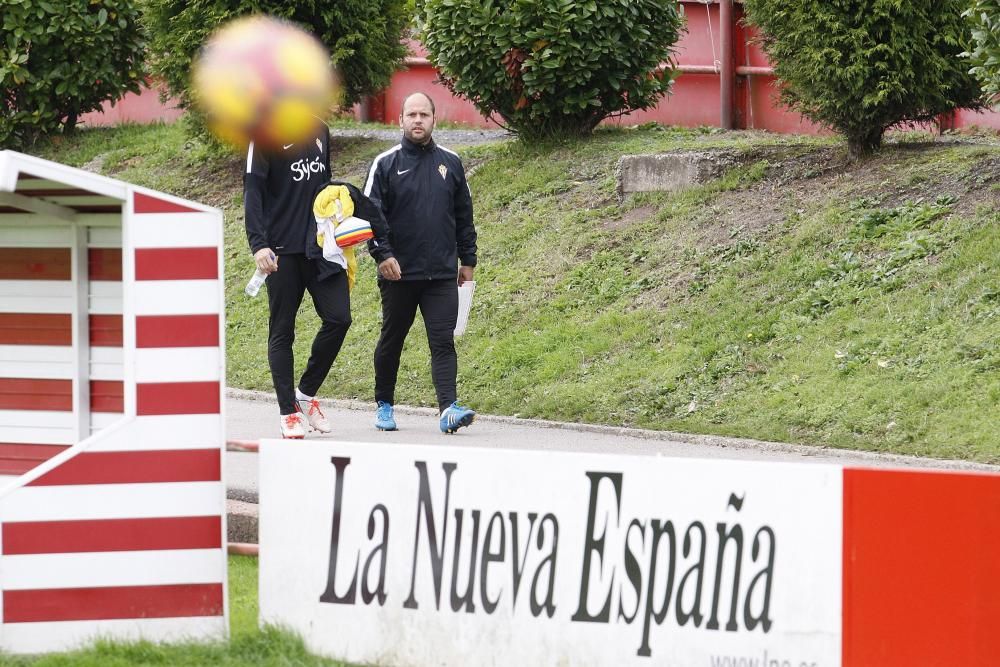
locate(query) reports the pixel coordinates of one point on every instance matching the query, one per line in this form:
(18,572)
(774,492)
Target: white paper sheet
(465,291)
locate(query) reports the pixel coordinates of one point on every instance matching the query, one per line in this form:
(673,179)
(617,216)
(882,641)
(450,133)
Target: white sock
(299,396)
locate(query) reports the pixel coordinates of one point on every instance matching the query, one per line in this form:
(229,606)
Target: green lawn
(248,644)
(797,298)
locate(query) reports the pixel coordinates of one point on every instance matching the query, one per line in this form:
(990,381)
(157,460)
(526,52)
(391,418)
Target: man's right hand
(266,261)
(389,269)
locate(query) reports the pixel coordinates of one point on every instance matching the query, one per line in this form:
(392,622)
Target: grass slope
(797,298)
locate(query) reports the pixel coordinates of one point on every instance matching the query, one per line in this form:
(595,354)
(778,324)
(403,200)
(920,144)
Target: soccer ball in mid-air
(263,80)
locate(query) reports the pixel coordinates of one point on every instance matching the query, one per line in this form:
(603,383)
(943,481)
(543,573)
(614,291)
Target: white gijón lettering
(304,169)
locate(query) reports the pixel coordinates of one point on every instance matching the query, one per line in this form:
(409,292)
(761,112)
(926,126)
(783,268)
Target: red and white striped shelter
(112,517)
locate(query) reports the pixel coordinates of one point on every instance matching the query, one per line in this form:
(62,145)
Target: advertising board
(419,555)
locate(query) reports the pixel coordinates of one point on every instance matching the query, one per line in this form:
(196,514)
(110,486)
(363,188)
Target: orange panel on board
(921,568)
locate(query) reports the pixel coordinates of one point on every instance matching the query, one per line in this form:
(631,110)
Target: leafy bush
(553,68)
(985,54)
(862,66)
(363,36)
(60,59)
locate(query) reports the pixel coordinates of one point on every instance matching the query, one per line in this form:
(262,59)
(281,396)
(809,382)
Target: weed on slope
(797,297)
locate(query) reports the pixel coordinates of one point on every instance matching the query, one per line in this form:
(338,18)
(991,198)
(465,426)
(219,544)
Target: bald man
(430,250)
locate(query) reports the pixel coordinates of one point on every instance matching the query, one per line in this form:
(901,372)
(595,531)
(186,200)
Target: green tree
(862,66)
(60,59)
(363,36)
(985,51)
(553,67)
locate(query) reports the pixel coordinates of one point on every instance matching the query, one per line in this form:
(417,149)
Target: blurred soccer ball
(263,80)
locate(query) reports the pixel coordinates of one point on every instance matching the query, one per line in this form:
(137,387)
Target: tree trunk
(70,123)
(863,144)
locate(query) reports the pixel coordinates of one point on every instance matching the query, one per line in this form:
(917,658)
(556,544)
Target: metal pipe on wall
(741,70)
(727,73)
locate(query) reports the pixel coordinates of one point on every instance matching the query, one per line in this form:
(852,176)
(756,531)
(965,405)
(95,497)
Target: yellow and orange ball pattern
(264,80)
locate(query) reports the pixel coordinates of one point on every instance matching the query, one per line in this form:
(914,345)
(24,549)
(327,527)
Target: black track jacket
(423,193)
(278,190)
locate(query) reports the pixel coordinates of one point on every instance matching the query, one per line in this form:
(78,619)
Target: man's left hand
(465,273)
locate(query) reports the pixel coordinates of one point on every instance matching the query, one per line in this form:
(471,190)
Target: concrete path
(251,416)
(254,415)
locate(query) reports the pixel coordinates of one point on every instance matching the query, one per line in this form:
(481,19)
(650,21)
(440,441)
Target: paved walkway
(254,415)
(251,416)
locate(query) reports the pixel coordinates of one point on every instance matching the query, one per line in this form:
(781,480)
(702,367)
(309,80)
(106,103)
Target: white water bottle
(254,285)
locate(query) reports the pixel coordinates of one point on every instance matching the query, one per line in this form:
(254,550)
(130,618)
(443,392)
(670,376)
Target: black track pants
(438,303)
(285,288)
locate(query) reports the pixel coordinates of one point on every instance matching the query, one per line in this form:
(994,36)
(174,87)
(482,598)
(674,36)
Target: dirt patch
(789,165)
(96,166)
(909,176)
(796,180)
(640,214)
(350,158)
(472,165)
(214,183)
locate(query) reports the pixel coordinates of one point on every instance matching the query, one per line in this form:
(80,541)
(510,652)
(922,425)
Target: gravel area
(448,137)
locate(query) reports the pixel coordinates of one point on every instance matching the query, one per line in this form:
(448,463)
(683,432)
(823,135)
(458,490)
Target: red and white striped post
(111,397)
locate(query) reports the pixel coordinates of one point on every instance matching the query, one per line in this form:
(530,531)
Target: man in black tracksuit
(279,186)
(422,191)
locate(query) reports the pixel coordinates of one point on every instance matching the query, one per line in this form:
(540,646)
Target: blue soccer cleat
(455,417)
(384,421)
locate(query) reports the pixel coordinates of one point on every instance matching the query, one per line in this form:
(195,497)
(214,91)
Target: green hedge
(363,36)
(553,68)
(63,58)
(862,66)
(985,51)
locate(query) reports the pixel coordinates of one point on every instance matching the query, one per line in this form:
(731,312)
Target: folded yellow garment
(352,266)
(352,262)
(325,204)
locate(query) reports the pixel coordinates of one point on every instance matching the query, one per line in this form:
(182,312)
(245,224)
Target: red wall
(695,97)
(990,119)
(143,108)
(694,102)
